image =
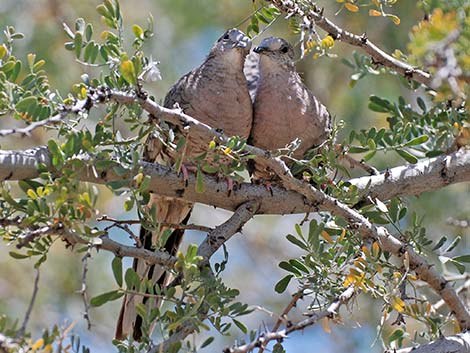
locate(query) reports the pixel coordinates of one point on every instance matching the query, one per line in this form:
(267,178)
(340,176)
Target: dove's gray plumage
(251,71)
(216,94)
(284,108)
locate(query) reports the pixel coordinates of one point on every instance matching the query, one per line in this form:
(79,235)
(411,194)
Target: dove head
(277,50)
(232,41)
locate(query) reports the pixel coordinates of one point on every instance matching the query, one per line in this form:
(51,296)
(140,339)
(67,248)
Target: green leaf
(417,141)
(26,104)
(240,325)
(282,284)
(88,31)
(141,310)
(407,156)
(397,334)
(115,185)
(297,242)
(289,267)
(116,265)
(69,46)
(56,153)
(358,149)
(199,187)
(207,342)
(440,243)
(421,104)
(278,348)
(106,297)
(110,7)
(103,11)
(132,279)
(458,266)
(463,258)
(80,25)
(18,256)
(454,244)
(8,66)
(369,155)
(371,144)
(78,43)
(16,71)
(128,204)
(298,265)
(314,234)
(89,49)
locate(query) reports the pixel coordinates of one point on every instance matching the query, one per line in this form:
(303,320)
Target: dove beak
(260,49)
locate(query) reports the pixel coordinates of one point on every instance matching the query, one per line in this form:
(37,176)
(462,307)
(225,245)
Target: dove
(215,93)
(284,109)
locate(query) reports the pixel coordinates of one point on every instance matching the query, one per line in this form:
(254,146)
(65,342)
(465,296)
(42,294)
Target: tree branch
(386,241)
(226,230)
(22,329)
(414,179)
(101,243)
(316,199)
(78,107)
(163,224)
(426,175)
(458,343)
(315,15)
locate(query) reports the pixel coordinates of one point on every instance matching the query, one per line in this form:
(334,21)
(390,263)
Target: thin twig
(163,224)
(282,319)
(354,163)
(78,107)
(125,228)
(82,291)
(104,243)
(265,338)
(22,329)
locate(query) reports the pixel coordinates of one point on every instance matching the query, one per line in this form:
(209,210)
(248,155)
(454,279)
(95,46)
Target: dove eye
(226,37)
(284,49)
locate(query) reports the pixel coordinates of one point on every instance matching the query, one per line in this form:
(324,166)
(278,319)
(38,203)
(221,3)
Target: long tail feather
(169,211)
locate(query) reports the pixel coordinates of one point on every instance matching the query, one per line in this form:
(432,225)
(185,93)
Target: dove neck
(231,61)
(269,67)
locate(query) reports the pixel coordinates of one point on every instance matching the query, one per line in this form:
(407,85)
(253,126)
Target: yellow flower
(328,42)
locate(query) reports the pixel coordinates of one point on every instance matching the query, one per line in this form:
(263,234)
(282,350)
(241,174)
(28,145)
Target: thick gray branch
(459,343)
(414,179)
(426,175)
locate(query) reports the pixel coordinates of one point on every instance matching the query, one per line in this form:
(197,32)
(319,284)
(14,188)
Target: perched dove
(216,94)
(284,108)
